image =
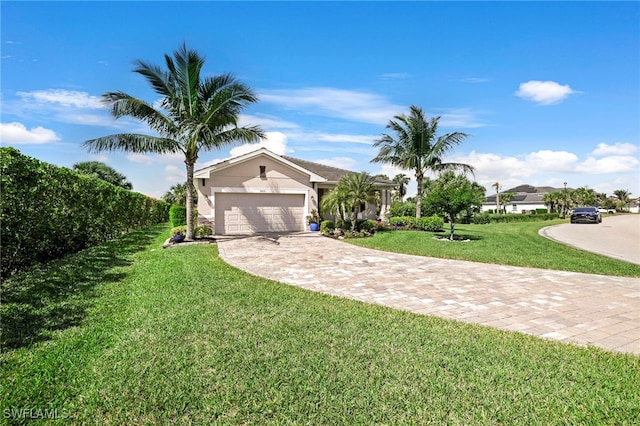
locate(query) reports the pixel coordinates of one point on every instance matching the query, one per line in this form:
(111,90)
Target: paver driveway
(579,308)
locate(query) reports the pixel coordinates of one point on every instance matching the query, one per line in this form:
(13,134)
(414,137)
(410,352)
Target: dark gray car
(586,215)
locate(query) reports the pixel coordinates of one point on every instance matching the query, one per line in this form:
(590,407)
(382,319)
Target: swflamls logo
(35,413)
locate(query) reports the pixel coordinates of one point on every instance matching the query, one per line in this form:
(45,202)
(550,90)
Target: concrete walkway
(571,307)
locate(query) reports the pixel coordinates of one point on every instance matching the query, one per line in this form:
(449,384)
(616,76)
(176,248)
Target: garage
(249,213)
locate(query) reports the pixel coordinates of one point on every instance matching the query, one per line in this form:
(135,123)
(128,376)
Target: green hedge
(510,217)
(429,223)
(47,211)
(178,215)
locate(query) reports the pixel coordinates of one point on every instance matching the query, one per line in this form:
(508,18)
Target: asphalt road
(617,236)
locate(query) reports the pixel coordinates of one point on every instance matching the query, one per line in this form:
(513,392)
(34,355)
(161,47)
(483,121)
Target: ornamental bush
(47,211)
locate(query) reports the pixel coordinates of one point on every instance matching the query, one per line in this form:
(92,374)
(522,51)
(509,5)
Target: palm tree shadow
(56,295)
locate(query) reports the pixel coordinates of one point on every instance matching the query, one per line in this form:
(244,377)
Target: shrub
(365,225)
(178,215)
(49,211)
(202,231)
(327,227)
(430,223)
(481,219)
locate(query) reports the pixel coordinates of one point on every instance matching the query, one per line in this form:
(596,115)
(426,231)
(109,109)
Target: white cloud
(476,80)
(394,76)
(554,161)
(610,164)
(17,133)
(618,148)
(140,158)
(266,122)
(347,104)
(460,118)
(339,162)
(174,174)
(275,142)
(544,92)
(63,97)
(342,138)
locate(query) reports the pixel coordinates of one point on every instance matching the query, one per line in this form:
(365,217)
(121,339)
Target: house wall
(244,177)
(519,207)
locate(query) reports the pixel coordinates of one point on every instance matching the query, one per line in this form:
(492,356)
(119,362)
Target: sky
(548,92)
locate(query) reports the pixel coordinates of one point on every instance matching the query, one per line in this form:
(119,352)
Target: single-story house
(265,192)
(527,198)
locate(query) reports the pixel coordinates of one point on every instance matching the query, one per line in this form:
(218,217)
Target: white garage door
(251,213)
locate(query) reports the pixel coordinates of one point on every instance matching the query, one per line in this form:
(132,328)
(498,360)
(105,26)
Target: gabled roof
(526,194)
(317,172)
(205,172)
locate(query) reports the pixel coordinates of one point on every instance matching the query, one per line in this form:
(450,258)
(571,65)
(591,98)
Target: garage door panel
(251,213)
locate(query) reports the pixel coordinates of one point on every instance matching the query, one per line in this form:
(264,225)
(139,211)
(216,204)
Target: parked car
(586,215)
(610,211)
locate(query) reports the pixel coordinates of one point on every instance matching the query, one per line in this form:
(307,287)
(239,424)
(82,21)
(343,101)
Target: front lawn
(516,244)
(128,333)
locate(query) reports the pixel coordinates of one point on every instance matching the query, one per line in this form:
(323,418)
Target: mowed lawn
(516,244)
(128,333)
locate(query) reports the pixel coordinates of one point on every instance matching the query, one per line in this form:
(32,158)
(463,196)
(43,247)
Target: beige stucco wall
(244,177)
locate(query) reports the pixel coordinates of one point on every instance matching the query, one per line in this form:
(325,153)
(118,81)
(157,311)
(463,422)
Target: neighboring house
(265,192)
(527,199)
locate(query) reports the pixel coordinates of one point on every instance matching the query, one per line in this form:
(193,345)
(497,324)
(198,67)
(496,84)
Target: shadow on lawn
(56,295)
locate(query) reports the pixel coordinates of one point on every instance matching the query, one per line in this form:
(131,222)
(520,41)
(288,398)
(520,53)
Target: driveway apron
(577,308)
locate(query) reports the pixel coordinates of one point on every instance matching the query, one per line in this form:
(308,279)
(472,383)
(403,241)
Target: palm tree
(506,199)
(360,189)
(104,172)
(624,197)
(417,147)
(177,194)
(194,114)
(497,187)
(401,180)
(334,202)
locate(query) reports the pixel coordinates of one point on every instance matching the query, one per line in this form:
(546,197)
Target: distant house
(527,198)
(265,192)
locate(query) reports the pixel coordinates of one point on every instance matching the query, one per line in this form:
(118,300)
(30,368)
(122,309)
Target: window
(263,172)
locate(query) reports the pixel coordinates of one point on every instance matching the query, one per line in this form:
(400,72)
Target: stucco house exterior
(527,198)
(265,192)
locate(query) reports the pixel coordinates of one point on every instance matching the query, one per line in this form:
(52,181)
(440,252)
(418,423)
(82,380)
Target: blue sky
(549,92)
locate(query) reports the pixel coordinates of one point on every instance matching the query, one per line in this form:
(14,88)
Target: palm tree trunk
(190,188)
(419,196)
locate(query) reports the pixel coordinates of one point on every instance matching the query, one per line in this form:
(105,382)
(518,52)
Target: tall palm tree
(401,180)
(623,196)
(497,187)
(194,114)
(417,147)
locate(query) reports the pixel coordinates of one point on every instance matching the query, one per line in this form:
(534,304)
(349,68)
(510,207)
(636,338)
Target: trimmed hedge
(178,215)
(485,218)
(47,211)
(429,223)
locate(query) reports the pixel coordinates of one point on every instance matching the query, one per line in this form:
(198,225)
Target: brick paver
(583,309)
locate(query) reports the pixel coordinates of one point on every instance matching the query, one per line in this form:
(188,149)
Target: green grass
(516,244)
(128,333)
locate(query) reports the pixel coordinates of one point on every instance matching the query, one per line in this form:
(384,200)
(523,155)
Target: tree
(507,198)
(452,194)
(360,189)
(401,180)
(104,172)
(497,187)
(623,196)
(177,194)
(584,196)
(417,147)
(334,203)
(194,114)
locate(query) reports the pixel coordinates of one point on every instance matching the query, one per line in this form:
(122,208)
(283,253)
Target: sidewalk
(571,307)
